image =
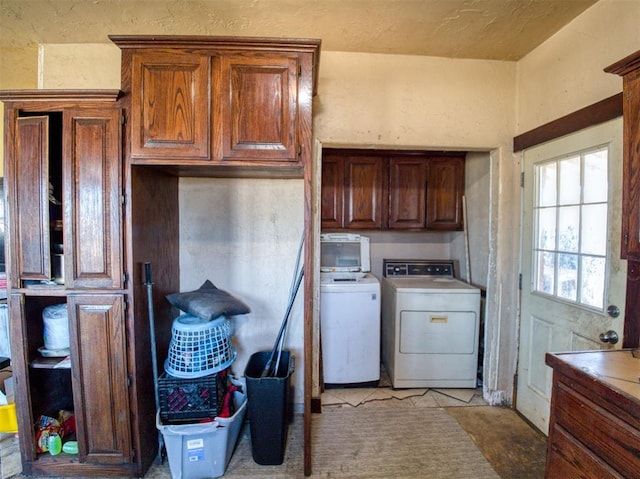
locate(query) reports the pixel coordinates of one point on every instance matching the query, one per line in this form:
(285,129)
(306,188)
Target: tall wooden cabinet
(92,192)
(629,69)
(64,188)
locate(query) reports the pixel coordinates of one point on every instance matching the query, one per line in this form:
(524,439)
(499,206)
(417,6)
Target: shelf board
(51,363)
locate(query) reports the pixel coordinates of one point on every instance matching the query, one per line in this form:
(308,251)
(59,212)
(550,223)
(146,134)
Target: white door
(572,276)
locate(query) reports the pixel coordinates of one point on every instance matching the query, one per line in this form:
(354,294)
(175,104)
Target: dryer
(430,325)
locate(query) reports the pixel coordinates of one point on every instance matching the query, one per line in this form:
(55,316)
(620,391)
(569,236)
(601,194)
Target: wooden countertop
(615,369)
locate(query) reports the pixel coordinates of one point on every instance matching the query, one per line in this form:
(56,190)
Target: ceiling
(480,29)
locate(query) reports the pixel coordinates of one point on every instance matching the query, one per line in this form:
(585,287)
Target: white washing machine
(430,325)
(350,305)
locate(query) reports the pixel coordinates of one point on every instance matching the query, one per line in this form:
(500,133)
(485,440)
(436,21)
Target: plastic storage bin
(268,400)
(183,400)
(8,418)
(203,450)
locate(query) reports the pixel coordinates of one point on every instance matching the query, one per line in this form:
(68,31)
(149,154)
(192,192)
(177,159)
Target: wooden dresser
(594,430)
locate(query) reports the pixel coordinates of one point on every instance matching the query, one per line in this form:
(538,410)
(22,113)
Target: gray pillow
(208,302)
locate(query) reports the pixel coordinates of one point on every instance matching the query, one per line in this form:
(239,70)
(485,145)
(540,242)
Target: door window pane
(547,182)
(570,217)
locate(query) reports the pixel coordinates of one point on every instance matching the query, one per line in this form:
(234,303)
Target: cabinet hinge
(129,381)
(522,179)
(628,95)
(123,199)
(125,278)
(300,70)
(626,238)
(299,150)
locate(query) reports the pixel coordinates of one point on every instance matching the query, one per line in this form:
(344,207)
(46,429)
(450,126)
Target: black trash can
(267,405)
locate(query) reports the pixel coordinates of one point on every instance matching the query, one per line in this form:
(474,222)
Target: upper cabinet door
(407,192)
(92,198)
(365,195)
(444,193)
(258,107)
(28,174)
(332,192)
(170,106)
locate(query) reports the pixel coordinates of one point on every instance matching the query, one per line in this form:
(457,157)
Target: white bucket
(56,327)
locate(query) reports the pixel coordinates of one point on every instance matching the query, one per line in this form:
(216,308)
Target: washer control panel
(421,268)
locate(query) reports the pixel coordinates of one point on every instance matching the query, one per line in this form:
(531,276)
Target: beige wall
(566,73)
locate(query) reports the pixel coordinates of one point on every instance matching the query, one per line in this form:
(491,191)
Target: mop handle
(152,331)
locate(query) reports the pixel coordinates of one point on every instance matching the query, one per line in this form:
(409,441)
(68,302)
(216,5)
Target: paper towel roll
(56,326)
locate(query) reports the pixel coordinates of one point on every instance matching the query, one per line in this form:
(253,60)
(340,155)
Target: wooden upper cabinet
(239,106)
(332,192)
(258,98)
(365,192)
(407,192)
(374,189)
(445,187)
(170,106)
(629,69)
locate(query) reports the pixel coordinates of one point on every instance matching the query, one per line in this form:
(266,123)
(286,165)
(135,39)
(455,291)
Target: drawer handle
(438,319)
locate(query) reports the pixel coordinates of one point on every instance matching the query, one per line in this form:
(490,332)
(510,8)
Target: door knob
(613,311)
(610,337)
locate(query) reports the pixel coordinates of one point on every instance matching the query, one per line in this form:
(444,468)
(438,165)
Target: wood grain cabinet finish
(170,107)
(100,371)
(594,429)
(365,190)
(629,69)
(92,189)
(408,186)
(445,188)
(70,155)
(259,107)
(391,191)
(63,170)
(223,101)
(332,192)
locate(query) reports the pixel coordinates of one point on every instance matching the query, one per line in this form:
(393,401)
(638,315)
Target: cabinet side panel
(631,168)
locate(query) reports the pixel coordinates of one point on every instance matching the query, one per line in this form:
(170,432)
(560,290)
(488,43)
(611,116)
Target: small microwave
(344,253)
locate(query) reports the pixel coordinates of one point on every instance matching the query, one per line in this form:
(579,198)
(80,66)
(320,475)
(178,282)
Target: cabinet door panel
(258,103)
(332,192)
(93,245)
(365,192)
(28,171)
(407,193)
(170,106)
(444,193)
(99,368)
